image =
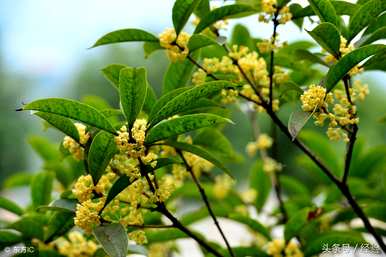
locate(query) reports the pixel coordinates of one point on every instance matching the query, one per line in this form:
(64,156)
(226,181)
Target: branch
(272,56)
(206,201)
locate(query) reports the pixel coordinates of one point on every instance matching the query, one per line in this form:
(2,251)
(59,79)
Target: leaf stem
(206,201)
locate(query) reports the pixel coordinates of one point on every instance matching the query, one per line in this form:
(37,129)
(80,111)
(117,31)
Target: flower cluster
(176,46)
(159,250)
(278,248)
(269,8)
(138,236)
(76,245)
(222,186)
(342,114)
(87,214)
(74,147)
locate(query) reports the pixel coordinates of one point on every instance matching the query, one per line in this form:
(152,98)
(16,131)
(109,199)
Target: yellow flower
(275,247)
(159,250)
(72,146)
(313,98)
(138,130)
(76,245)
(105,183)
(166,187)
(177,47)
(249,196)
(83,188)
(222,186)
(87,214)
(198,77)
(138,236)
(264,142)
(268,6)
(271,165)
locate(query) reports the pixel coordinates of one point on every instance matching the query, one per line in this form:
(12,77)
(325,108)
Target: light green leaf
(63,205)
(224,12)
(327,35)
(125,35)
(261,182)
(325,10)
(198,41)
(73,110)
(111,73)
(113,238)
(200,152)
(202,8)
(241,36)
(10,206)
(183,124)
(293,186)
(9,237)
(41,188)
(363,17)
(315,245)
(181,12)
(17,179)
(102,149)
(133,90)
(61,123)
(44,148)
(183,101)
(341,8)
(344,65)
(251,223)
(164,235)
(151,47)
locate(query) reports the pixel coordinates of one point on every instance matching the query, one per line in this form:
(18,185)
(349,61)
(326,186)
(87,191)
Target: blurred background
(44,53)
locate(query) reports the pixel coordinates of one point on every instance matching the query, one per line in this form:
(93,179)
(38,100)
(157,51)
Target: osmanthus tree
(120,172)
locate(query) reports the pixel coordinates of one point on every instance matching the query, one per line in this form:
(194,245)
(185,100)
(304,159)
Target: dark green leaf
(72,109)
(376,24)
(41,188)
(101,151)
(10,206)
(327,35)
(341,8)
(181,12)
(113,238)
(31,226)
(241,36)
(58,224)
(261,182)
(199,151)
(344,65)
(293,186)
(315,246)
(251,223)
(363,17)
(61,123)
(125,35)
(118,186)
(177,75)
(308,56)
(295,224)
(150,100)
(183,124)
(111,73)
(202,8)
(198,41)
(183,101)
(377,35)
(133,90)
(224,12)
(377,62)
(325,10)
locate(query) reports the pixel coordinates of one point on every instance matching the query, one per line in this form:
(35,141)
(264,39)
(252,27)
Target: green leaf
(325,10)
(164,99)
(9,237)
(366,14)
(73,110)
(315,245)
(183,101)
(125,35)
(113,238)
(200,152)
(133,90)
(198,41)
(61,123)
(308,56)
(327,35)
(44,148)
(376,24)
(181,12)
(10,206)
(164,235)
(177,75)
(224,12)
(151,47)
(63,205)
(41,188)
(17,179)
(295,224)
(183,124)
(30,225)
(241,36)
(111,73)
(251,223)
(341,8)
(150,100)
(118,186)
(261,182)
(101,151)
(377,62)
(293,187)
(58,224)
(344,65)
(377,35)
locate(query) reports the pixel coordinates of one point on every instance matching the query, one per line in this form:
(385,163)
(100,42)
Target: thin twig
(272,56)
(206,201)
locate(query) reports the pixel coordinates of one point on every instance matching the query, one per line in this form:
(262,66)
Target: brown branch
(206,201)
